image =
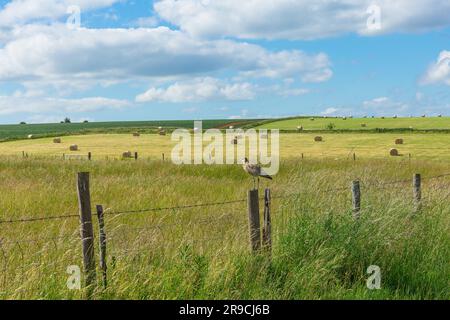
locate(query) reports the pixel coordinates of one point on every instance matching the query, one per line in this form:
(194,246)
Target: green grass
(319,250)
(13,132)
(320,123)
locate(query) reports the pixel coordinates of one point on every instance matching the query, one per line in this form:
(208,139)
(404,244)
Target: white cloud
(23,11)
(329,111)
(300,19)
(201,89)
(439,72)
(54,53)
(385,106)
(25,104)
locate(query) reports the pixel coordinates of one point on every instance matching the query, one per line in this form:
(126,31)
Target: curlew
(255,171)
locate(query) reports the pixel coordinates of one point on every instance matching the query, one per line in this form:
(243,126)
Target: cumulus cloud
(301,19)
(40,52)
(439,72)
(385,106)
(19,103)
(202,89)
(23,11)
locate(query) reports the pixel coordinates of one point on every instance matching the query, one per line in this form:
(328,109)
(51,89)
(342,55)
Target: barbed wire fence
(260,232)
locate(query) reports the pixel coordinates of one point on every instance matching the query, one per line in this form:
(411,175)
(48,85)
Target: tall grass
(319,250)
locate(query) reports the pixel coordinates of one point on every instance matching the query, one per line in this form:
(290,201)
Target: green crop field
(320,123)
(21,131)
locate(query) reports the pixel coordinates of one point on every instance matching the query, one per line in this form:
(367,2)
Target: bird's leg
(258,183)
(253,183)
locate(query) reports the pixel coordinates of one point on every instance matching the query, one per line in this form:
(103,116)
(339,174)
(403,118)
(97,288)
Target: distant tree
(23,122)
(67,120)
(85,121)
(331,126)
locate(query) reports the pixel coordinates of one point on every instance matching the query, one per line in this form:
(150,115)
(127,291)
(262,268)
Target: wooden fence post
(163,157)
(417,184)
(267,226)
(356,199)
(86,230)
(354,156)
(253,220)
(89,156)
(135,156)
(102,243)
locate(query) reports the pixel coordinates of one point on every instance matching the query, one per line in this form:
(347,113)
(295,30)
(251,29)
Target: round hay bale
(231,127)
(57,140)
(363,125)
(136,134)
(318,139)
(73,147)
(440,116)
(30,136)
(399,141)
(299,128)
(312,119)
(395,117)
(424,116)
(127,154)
(382,117)
(344,118)
(394,152)
(162,133)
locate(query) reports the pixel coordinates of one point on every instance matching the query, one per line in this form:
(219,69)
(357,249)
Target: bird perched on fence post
(255,171)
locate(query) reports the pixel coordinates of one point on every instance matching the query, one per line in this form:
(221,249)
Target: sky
(116,60)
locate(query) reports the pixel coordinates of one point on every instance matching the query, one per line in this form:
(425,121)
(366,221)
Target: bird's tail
(267,177)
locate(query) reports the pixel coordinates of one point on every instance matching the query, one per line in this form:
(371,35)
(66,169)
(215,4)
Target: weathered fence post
(253,220)
(102,243)
(354,156)
(86,230)
(89,156)
(267,226)
(163,157)
(135,156)
(303,156)
(417,183)
(356,199)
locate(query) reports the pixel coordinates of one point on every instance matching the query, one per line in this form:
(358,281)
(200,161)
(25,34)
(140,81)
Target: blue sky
(205,59)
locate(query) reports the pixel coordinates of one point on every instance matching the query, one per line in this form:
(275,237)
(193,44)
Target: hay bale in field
(399,141)
(394,152)
(57,140)
(395,117)
(136,134)
(344,118)
(312,119)
(299,128)
(363,125)
(127,154)
(424,116)
(159,128)
(73,147)
(440,116)
(318,139)
(162,133)
(231,127)
(382,117)
(30,136)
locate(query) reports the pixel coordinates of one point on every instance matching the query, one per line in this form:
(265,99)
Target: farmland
(181,232)
(371,124)
(430,146)
(21,131)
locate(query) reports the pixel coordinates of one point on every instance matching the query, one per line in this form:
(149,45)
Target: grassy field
(21,131)
(431,146)
(355,123)
(319,250)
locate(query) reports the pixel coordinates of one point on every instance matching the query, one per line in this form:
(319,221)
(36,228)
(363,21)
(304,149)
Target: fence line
(183,207)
